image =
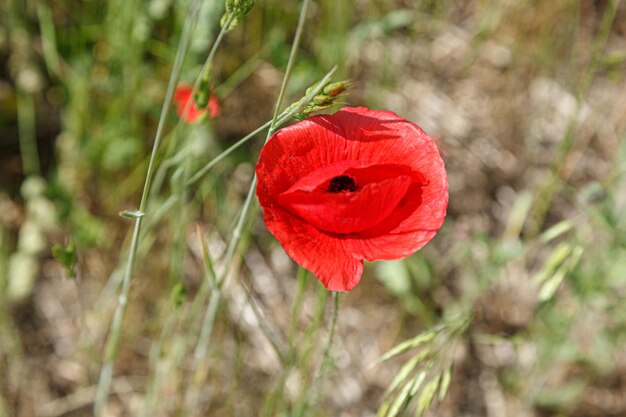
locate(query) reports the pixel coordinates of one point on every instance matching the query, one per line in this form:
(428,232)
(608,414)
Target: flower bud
(202,94)
(334,89)
(239,8)
(323,100)
(235,10)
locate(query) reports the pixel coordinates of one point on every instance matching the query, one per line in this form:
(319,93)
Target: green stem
(297,305)
(554,181)
(329,343)
(202,171)
(203,72)
(26,129)
(112,346)
(207,64)
(237,233)
(313,396)
(277,393)
(200,352)
(180,225)
(284,118)
(248,202)
(151,397)
(235,79)
(49,46)
(159,175)
(292,59)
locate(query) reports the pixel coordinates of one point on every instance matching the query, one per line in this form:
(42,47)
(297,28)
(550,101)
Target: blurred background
(526,100)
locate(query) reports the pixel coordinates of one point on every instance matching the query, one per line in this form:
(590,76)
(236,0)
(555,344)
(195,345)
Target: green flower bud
(225,19)
(334,89)
(322,99)
(239,8)
(235,10)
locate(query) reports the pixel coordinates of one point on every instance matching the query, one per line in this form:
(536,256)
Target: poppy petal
(316,251)
(187,109)
(214,107)
(387,138)
(347,212)
(353,186)
(298,150)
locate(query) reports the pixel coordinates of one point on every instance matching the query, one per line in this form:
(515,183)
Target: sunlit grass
(525,101)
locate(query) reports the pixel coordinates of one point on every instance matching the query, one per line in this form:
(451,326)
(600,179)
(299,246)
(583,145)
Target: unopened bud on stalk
(334,89)
(239,8)
(323,100)
(235,10)
(202,94)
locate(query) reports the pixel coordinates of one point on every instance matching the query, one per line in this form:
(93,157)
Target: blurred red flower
(356,185)
(184,95)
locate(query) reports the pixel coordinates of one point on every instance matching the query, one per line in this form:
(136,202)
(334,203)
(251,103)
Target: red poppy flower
(184,95)
(356,185)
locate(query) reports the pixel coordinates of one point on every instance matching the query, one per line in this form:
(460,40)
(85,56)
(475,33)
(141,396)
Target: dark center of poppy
(342,183)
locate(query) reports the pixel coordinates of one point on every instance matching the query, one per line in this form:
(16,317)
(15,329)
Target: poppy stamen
(342,183)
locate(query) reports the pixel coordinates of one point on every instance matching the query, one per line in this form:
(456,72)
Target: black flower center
(342,183)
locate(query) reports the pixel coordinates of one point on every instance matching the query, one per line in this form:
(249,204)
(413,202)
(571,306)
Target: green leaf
(418,381)
(427,396)
(208,262)
(555,259)
(400,400)
(550,286)
(132,214)
(556,231)
(518,215)
(445,383)
(66,256)
(418,340)
(407,368)
(177,296)
(382,410)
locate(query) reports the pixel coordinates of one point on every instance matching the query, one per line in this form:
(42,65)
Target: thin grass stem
(49,46)
(156,350)
(284,118)
(319,383)
(292,59)
(26,129)
(112,346)
(554,182)
(312,396)
(248,202)
(297,305)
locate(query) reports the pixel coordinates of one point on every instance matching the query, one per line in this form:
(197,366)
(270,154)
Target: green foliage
(322,100)
(102,69)
(132,214)
(427,374)
(66,256)
(177,296)
(235,10)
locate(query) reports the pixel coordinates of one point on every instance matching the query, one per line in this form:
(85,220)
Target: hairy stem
(112,346)
(248,202)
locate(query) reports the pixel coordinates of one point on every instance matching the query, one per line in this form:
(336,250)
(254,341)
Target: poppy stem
(331,333)
(319,383)
(297,305)
(205,72)
(230,252)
